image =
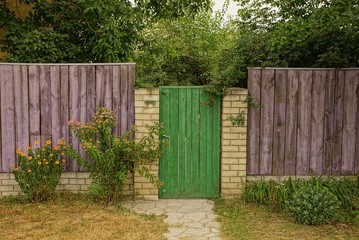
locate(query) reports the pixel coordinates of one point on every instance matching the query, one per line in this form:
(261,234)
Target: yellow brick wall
(147,112)
(69,181)
(233,144)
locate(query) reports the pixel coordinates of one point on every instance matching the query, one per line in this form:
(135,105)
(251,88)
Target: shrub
(39,170)
(110,158)
(313,206)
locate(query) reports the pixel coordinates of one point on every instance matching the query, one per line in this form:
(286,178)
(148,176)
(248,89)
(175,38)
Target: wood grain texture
(7,117)
(266,129)
(350,122)
(38,100)
(254,117)
(124,99)
(329,122)
(338,121)
(280,102)
(317,121)
(291,123)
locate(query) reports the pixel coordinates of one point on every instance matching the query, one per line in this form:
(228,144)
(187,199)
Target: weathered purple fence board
(254,88)
(309,122)
(38,100)
(291,123)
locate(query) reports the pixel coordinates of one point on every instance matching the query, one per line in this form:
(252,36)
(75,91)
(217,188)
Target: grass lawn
(72,216)
(246,221)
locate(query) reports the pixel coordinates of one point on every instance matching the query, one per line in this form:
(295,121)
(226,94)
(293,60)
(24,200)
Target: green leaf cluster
(84,30)
(313,206)
(296,33)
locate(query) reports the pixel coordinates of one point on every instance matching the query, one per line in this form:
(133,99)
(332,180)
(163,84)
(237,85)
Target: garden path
(188,218)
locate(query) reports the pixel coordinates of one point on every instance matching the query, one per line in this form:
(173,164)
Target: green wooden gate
(190,167)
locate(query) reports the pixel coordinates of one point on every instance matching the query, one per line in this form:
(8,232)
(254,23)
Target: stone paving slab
(188,218)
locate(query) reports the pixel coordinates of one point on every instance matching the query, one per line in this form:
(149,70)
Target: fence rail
(308,122)
(38,100)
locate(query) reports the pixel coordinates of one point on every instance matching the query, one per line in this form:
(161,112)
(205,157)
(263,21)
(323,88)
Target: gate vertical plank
(45,101)
(131,96)
(34,101)
(165,120)
(55,100)
(291,124)
(116,99)
(7,117)
(329,122)
(280,99)
(196,102)
(64,107)
(209,146)
(74,107)
(350,124)
(124,99)
(21,93)
(338,122)
(356,159)
(266,130)
(182,140)
(174,164)
(216,146)
(254,117)
(318,104)
(304,122)
(203,142)
(188,129)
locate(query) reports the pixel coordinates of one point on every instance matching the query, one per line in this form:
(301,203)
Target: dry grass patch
(246,221)
(74,217)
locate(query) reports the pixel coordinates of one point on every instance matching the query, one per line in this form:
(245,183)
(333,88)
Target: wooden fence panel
(38,100)
(308,122)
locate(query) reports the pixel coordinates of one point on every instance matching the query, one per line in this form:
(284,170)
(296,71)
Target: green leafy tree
(296,33)
(184,51)
(84,30)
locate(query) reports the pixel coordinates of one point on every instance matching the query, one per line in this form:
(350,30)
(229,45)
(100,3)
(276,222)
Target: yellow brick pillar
(147,112)
(233,144)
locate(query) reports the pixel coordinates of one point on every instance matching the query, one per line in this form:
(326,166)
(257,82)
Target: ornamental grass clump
(313,205)
(39,170)
(110,158)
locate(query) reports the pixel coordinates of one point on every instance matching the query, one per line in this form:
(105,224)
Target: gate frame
(233,142)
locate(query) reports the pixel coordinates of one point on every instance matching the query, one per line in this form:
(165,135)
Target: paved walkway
(188,218)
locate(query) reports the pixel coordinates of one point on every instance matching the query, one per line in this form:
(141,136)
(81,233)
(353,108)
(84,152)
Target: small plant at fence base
(276,195)
(313,206)
(39,170)
(110,157)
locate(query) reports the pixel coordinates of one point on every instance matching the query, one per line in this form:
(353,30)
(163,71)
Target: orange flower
(29,158)
(44,159)
(39,163)
(11,165)
(18,150)
(43,149)
(38,155)
(56,147)
(62,154)
(36,142)
(28,147)
(29,170)
(48,142)
(57,162)
(22,154)
(16,169)
(46,163)
(63,160)
(51,155)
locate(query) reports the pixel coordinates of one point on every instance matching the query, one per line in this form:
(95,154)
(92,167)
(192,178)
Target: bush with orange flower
(39,170)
